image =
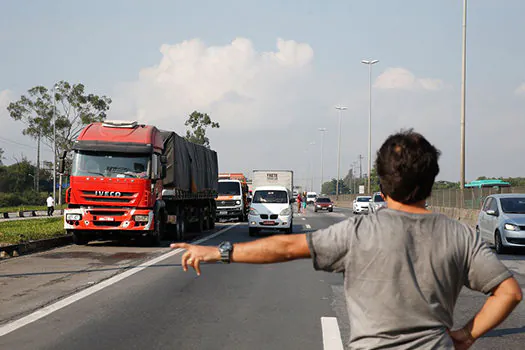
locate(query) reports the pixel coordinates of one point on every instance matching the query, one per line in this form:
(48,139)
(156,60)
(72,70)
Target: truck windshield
(270,197)
(229,188)
(110,165)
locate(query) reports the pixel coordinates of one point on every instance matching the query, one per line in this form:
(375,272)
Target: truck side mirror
(163,159)
(62,164)
(163,171)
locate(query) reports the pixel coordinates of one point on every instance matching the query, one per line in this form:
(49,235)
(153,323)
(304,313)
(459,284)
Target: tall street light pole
(54,145)
(463,93)
(369,63)
(323,131)
(311,170)
(341,109)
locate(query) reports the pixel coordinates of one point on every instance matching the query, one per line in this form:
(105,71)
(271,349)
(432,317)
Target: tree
(331,186)
(1,156)
(199,122)
(68,104)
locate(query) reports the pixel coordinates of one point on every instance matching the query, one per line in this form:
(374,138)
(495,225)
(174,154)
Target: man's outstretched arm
(262,251)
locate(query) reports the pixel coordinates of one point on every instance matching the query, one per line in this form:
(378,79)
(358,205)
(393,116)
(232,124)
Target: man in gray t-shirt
(403,267)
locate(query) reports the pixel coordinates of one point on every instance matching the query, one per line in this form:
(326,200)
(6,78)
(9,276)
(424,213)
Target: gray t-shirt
(403,273)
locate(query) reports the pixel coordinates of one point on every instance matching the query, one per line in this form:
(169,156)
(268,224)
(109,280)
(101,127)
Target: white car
(361,204)
(270,209)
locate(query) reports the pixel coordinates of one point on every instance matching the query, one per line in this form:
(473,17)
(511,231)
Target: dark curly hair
(407,165)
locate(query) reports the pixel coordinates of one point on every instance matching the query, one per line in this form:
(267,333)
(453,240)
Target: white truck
(271,206)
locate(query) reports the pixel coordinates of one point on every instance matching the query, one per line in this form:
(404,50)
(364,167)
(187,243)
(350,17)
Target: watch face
(225,246)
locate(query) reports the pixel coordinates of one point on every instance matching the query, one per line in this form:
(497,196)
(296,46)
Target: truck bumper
(228,212)
(114,219)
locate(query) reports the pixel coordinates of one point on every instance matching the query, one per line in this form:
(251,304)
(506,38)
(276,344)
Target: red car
(323,203)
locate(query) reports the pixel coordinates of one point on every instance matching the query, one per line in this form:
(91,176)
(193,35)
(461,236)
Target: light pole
(463,93)
(54,145)
(341,109)
(323,131)
(311,170)
(369,63)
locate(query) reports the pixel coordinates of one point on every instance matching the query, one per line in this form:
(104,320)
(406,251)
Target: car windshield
(270,197)
(323,200)
(514,205)
(229,188)
(378,198)
(310,196)
(363,199)
(110,165)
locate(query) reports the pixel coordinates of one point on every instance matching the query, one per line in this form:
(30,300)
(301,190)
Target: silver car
(377,202)
(502,217)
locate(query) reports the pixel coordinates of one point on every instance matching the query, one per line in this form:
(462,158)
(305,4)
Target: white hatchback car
(270,209)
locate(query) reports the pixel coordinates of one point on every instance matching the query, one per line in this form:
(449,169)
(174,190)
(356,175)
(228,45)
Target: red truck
(133,180)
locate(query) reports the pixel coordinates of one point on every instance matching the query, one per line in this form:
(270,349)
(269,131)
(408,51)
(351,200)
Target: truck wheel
(181,227)
(206,219)
(80,239)
(156,235)
(253,231)
(200,222)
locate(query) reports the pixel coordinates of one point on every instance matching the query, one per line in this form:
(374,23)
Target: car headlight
(286,212)
(141,218)
(253,212)
(511,227)
(238,202)
(73,217)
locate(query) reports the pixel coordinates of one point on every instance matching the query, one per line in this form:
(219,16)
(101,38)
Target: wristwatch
(226,249)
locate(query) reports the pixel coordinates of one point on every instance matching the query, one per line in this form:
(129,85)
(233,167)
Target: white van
(311,197)
(270,209)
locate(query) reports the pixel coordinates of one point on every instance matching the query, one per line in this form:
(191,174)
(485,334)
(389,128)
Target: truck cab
(116,181)
(231,200)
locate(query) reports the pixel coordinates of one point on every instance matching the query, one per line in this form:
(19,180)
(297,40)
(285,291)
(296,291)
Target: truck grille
(125,197)
(226,203)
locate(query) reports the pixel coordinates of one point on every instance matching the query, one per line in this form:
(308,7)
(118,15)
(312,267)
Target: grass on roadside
(18,231)
(28,207)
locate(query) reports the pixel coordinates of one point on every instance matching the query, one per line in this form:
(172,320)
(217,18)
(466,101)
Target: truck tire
(253,231)
(79,238)
(206,218)
(181,226)
(156,236)
(199,225)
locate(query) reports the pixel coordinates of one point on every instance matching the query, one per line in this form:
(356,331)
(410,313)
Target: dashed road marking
(331,335)
(308,226)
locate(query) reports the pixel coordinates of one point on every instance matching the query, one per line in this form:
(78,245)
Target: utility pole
(463,93)
(360,167)
(37,175)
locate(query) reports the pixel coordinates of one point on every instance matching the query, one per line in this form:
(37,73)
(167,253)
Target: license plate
(223,213)
(106,218)
(268,222)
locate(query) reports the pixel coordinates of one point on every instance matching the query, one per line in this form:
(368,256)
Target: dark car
(323,203)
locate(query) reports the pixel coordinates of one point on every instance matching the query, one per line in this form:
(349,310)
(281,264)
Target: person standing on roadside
(304,202)
(404,266)
(50,205)
(299,203)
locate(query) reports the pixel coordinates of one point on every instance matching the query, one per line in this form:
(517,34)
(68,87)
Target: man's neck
(416,208)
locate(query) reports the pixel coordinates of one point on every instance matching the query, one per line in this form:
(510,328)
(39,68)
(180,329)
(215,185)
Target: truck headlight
(141,218)
(238,202)
(253,212)
(511,227)
(73,217)
(286,212)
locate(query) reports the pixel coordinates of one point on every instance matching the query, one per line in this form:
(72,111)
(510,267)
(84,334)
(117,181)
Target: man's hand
(195,254)
(462,339)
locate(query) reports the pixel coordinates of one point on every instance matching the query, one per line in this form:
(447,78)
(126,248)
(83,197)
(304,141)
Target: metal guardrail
(27,214)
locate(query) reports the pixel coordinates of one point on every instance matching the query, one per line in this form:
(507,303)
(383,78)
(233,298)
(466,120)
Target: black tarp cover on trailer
(190,167)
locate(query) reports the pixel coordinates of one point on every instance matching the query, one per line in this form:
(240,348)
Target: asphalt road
(236,306)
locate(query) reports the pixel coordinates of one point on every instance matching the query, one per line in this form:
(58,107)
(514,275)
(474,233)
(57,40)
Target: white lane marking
(331,335)
(303,218)
(38,314)
(308,226)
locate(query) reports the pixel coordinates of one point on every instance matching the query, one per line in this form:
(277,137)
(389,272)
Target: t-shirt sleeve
(329,247)
(485,270)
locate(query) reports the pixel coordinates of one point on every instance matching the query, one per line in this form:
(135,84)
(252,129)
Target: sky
(271,73)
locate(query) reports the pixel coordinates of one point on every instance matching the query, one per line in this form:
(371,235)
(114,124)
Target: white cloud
(238,86)
(520,90)
(403,79)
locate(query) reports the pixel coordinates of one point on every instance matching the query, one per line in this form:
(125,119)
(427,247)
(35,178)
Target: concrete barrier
(468,216)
